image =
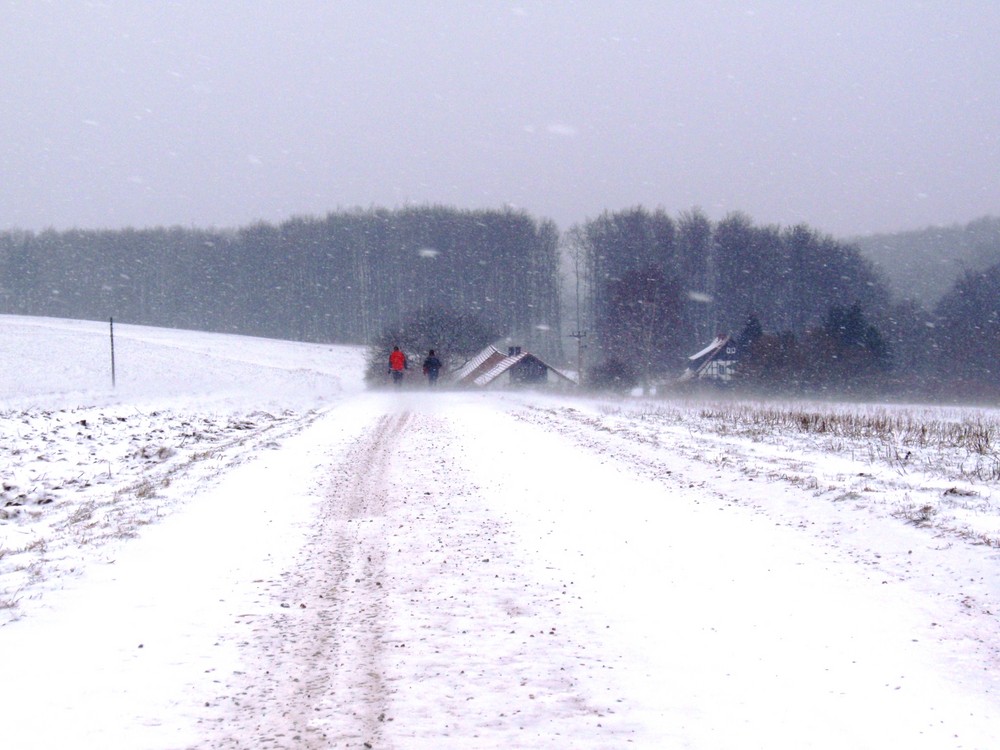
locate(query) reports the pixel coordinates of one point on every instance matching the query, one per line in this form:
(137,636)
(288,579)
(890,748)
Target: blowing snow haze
(853,117)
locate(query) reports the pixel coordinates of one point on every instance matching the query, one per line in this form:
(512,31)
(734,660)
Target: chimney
(513,351)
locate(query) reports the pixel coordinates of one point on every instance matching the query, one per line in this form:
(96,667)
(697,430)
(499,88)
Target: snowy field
(240,547)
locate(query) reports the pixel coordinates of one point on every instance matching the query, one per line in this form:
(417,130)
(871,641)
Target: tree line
(662,288)
(646,290)
(811,313)
(342,278)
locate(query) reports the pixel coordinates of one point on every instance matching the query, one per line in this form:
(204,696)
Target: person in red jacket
(397,363)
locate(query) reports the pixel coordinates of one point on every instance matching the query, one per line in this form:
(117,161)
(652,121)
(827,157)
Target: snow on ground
(239,547)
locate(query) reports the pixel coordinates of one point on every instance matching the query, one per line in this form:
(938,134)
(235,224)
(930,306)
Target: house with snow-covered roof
(493,368)
(717,361)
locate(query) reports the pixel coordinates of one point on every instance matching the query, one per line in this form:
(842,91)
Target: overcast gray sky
(853,116)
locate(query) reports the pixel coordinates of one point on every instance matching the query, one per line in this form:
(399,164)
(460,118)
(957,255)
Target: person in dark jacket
(397,363)
(432,366)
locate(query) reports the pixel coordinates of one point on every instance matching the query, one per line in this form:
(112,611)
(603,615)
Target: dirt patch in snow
(76,482)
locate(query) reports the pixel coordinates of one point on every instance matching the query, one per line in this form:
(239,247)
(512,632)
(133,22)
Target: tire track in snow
(357,515)
(316,679)
(423,624)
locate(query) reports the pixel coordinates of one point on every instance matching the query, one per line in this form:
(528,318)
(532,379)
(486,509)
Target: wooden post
(112,352)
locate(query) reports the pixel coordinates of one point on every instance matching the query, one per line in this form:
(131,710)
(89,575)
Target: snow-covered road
(428,570)
(470,575)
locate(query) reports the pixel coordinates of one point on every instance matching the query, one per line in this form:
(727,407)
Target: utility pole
(579,336)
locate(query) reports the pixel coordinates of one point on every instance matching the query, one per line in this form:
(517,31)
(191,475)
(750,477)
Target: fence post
(112,352)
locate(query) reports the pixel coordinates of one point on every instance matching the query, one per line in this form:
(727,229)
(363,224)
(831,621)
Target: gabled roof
(485,360)
(499,369)
(716,345)
(491,363)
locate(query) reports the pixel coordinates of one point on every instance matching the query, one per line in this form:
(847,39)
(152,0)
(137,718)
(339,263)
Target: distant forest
(811,314)
(656,289)
(914,314)
(713,277)
(343,278)
(922,265)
